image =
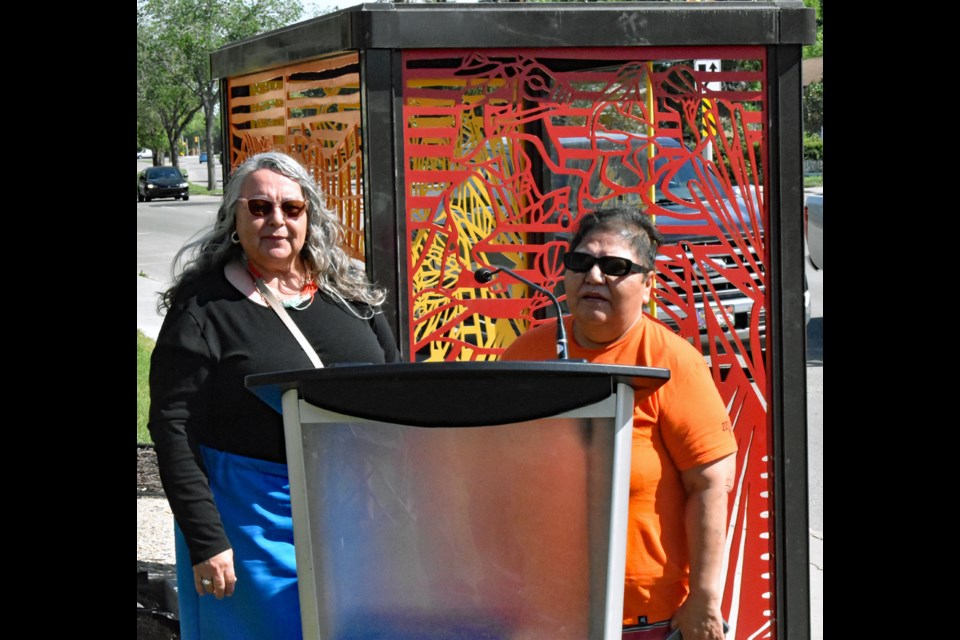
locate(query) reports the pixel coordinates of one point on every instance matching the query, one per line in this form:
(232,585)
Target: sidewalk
(148,320)
(816,585)
(197,172)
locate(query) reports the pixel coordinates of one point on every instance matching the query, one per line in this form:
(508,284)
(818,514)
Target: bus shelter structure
(449,137)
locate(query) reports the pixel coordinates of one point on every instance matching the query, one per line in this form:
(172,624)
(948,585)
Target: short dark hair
(631,224)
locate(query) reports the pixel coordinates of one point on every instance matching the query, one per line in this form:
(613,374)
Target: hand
(219,571)
(699,618)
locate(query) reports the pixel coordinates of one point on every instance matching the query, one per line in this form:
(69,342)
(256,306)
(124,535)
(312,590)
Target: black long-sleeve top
(210,340)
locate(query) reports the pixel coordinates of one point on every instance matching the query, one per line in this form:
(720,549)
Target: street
(163,226)
(815,449)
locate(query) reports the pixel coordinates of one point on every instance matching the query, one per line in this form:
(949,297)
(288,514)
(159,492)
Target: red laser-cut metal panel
(312,112)
(504,150)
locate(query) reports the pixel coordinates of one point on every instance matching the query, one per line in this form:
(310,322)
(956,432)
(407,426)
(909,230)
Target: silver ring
(206,582)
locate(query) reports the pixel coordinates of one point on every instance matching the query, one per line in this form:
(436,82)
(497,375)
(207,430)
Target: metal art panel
(504,151)
(312,112)
(478,129)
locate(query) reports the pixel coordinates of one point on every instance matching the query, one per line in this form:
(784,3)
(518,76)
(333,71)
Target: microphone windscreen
(483,275)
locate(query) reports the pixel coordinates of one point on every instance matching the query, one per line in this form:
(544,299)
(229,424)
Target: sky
(313,7)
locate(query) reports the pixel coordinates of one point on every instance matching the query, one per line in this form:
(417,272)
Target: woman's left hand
(707,485)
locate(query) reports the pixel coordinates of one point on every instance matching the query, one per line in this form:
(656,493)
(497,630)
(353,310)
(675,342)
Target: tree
(195,28)
(149,130)
(197,128)
(815,50)
(813,92)
(813,107)
(164,103)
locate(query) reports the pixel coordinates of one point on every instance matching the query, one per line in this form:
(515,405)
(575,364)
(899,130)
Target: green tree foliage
(149,130)
(813,107)
(196,129)
(813,93)
(815,50)
(812,146)
(164,103)
(187,31)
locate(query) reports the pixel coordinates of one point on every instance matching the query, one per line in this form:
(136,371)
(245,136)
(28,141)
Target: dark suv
(162,182)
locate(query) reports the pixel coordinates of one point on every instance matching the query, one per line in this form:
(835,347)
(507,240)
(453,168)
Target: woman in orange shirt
(683,457)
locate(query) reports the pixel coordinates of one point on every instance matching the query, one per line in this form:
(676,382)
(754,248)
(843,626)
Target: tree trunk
(208,105)
(174,150)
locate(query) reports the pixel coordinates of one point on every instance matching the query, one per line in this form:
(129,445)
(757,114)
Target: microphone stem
(561,330)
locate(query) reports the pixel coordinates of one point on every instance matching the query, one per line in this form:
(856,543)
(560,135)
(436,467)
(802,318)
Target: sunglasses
(609,265)
(259,208)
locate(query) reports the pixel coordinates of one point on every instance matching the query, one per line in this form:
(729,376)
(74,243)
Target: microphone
(485,275)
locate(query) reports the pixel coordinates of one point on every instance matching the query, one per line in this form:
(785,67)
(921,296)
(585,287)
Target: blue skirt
(253,497)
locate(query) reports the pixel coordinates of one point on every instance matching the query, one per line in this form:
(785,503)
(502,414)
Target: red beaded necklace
(299,302)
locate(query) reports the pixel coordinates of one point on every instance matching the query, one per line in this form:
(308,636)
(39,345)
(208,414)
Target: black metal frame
(383,225)
(380,32)
(786,344)
(485,26)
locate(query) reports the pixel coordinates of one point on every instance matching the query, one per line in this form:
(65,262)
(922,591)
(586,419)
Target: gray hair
(335,272)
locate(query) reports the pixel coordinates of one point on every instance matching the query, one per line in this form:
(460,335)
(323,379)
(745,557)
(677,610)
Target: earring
(235,237)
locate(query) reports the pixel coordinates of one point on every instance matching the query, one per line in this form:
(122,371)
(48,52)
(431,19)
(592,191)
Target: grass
(813,181)
(201,190)
(144,349)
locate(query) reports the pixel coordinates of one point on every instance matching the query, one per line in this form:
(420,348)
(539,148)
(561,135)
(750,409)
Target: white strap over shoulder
(287,320)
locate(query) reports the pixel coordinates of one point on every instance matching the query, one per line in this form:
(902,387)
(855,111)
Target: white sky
(311,7)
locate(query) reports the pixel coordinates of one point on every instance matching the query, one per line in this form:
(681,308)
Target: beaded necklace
(299,302)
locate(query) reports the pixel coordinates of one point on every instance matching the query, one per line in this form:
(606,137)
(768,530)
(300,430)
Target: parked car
(162,182)
(813,229)
(710,274)
(707,254)
(144,153)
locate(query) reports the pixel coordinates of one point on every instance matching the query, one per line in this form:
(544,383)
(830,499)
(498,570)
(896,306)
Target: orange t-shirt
(682,425)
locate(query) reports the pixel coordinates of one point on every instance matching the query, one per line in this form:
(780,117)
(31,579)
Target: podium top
(456,394)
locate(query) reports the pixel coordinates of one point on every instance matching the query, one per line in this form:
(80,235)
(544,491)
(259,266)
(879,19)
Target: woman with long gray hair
(273,251)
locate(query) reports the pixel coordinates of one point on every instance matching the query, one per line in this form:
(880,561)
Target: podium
(459,500)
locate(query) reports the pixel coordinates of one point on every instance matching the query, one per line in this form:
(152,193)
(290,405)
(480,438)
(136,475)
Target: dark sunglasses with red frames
(259,207)
(580,262)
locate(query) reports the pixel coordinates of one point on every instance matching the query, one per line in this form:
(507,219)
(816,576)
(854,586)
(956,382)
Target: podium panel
(509,531)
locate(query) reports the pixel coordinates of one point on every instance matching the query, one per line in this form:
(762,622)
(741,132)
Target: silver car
(813,229)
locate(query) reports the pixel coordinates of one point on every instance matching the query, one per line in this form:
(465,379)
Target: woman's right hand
(218,571)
